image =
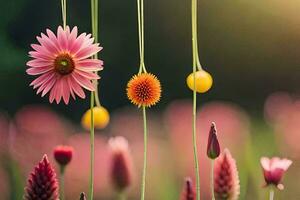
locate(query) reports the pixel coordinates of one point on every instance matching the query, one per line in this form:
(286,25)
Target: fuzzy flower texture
(63,65)
(144,90)
(42,183)
(226,180)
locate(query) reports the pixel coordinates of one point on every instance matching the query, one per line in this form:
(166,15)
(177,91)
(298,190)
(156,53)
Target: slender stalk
(271,194)
(212,180)
(92,147)
(62,183)
(122,196)
(145,155)
(64,12)
(195,58)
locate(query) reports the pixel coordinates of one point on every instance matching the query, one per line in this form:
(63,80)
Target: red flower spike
(213,146)
(42,183)
(121,164)
(188,191)
(226,180)
(63,154)
(274,170)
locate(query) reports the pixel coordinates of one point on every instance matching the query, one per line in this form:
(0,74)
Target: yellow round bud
(101,118)
(204,81)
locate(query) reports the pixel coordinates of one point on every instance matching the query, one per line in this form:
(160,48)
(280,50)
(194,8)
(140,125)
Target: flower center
(64,64)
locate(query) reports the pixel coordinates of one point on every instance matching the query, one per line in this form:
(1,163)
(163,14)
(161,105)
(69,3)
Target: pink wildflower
(226,180)
(63,64)
(42,183)
(274,169)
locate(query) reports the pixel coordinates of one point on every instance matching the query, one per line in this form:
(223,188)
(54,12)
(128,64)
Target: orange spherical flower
(144,90)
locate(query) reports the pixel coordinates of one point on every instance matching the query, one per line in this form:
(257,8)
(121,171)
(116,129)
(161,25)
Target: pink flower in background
(274,169)
(188,192)
(121,163)
(42,182)
(226,179)
(63,64)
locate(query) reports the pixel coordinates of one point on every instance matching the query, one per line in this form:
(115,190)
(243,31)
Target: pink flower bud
(226,180)
(42,182)
(274,170)
(63,154)
(213,147)
(82,196)
(188,190)
(121,163)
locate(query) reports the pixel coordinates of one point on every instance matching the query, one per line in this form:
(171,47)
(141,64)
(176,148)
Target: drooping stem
(145,155)
(64,12)
(195,59)
(62,183)
(195,35)
(212,180)
(271,194)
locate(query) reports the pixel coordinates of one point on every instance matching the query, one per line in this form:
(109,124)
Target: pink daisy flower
(274,169)
(63,64)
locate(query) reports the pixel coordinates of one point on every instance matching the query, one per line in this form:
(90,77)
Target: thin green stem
(64,12)
(212,180)
(195,58)
(195,34)
(271,194)
(145,155)
(92,140)
(62,183)
(122,196)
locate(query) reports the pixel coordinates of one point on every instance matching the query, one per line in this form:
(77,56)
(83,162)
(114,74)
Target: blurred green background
(250,47)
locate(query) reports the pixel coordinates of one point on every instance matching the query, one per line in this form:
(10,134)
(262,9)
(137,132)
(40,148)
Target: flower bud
(188,190)
(63,154)
(121,163)
(213,146)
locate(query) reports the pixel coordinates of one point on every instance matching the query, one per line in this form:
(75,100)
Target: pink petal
(76,87)
(62,39)
(65,90)
(87,52)
(42,56)
(76,45)
(72,37)
(89,65)
(39,63)
(47,43)
(88,75)
(84,82)
(38,70)
(41,79)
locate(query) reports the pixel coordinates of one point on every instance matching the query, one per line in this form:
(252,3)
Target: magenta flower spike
(42,183)
(274,170)
(121,163)
(226,179)
(188,192)
(213,146)
(63,65)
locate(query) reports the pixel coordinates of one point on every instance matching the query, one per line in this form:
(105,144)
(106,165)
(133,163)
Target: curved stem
(145,155)
(271,194)
(212,180)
